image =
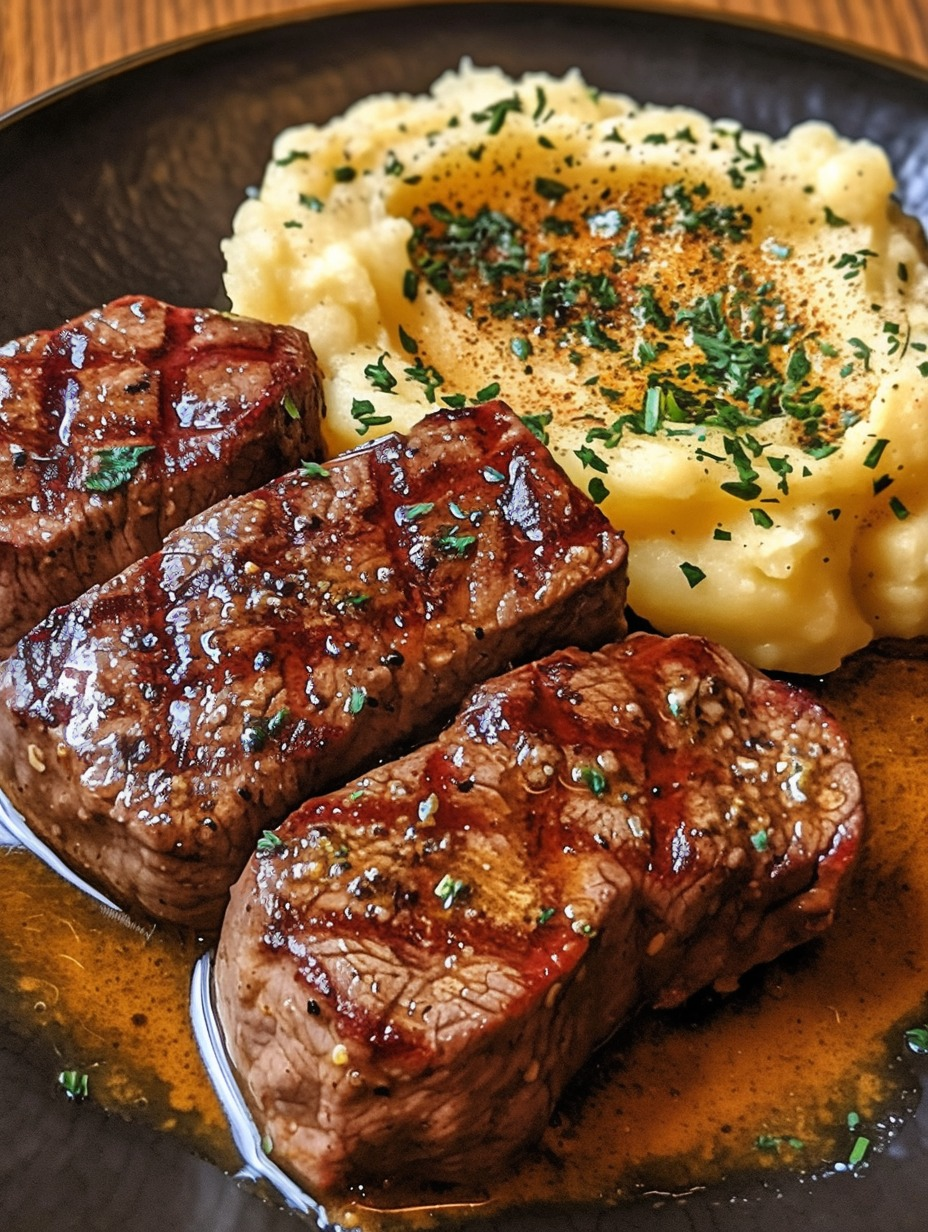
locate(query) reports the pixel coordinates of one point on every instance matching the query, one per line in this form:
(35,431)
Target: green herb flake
(412,513)
(314,470)
(861,350)
(902,272)
(521,348)
(761,518)
(312,202)
(344,174)
(292,222)
(115,467)
(597,490)
(450,889)
(723,535)
(74,1083)
(269,841)
(454,544)
(545,914)
(408,343)
(495,115)
(380,376)
(551,190)
(693,574)
(537,424)
(853,1120)
(760,841)
(917,1040)
(833,219)
(292,157)
(773,1142)
(357,699)
(872,459)
(858,1151)
(290,406)
(410,285)
(595,780)
(492,475)
(365,413)
(488,393)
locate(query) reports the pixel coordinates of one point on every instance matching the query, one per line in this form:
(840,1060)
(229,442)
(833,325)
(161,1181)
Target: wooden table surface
(45,42)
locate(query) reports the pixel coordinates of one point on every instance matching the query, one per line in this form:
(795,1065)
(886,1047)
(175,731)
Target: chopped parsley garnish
(412,513)
(594,778)
(858,1151)
(312,202)
(551,190)
(495,115)
(917,1039)
(380,376)
(357,700)
(313,470)
(269,841)
(450,889)
(344,174)
(537,424)
(292,157)
(872,460)
(257,731)
(597,490)
(74,1083)
(773,1142)
(364,411)
(454,544)
(115,467)
(693,574)
(290,406)
(833,219)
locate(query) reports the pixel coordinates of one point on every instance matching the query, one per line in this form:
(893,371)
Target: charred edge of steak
(126,421)
(414,966)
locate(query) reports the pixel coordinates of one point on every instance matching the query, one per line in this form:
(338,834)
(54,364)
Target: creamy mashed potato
(722,337)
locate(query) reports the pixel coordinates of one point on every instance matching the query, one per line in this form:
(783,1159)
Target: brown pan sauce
(787,1072)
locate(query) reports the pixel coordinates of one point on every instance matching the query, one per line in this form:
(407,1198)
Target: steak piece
(412,968)
(283,640)
(121,424)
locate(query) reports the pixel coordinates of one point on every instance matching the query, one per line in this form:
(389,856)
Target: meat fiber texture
(283,640)
(413,967)
(121,424)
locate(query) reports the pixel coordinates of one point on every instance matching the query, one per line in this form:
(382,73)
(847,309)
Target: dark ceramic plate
(125,182)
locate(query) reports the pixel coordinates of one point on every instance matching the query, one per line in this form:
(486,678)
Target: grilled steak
(283,640)
(121,424)
(411,968)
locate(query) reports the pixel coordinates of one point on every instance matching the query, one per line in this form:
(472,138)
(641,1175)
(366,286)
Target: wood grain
(46,42)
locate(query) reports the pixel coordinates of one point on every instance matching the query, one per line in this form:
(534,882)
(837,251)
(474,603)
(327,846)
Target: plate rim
(304,16)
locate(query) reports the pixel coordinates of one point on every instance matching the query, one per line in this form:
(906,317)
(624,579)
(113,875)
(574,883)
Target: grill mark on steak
(282,640)
(202,392)
(643,821)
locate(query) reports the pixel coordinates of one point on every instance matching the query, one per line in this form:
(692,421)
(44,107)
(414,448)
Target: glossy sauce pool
(789,1072)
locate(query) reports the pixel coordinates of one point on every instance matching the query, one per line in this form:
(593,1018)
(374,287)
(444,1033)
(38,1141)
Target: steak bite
(119,425)
(412,967)
(283,640)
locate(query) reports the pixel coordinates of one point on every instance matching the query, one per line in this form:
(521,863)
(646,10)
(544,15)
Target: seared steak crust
(209,405)
(410,972)
(283,640)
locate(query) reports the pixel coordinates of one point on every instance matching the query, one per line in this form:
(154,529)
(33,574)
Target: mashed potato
(722,337)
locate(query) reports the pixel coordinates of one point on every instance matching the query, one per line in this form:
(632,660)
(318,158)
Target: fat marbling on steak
(283,640)
(412,967)
(119,425)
